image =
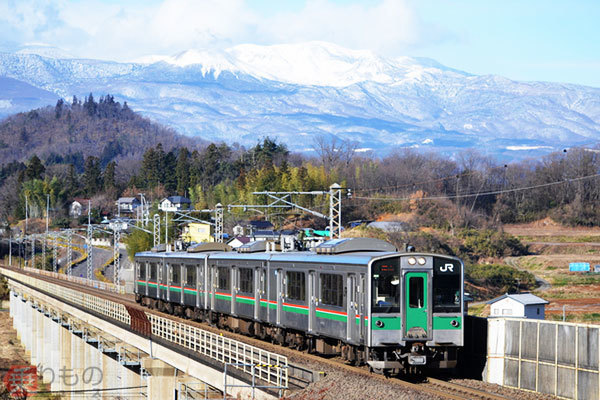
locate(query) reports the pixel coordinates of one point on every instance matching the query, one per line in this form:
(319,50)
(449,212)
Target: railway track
(299,375)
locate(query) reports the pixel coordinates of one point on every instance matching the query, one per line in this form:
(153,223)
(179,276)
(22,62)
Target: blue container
(579,267)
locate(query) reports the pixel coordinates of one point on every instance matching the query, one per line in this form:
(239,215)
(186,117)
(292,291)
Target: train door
(214,281)
(235,287)
(259,293)
(199,285)
(280,294)
(312,300)
(351,307)
(416,302)
(361,290)
(160,287)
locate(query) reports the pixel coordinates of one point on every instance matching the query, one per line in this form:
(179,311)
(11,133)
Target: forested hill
(106,129)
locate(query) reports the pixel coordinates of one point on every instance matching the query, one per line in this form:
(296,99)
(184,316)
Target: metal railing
(106,286)
(250,359)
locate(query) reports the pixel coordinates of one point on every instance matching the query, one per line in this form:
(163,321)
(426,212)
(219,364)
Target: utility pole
(55,252)
(46,234)
(9,246)
(156,230)
(116,255)
(166,231)
(69,251)
(25,233)
(335,211)
(219,223)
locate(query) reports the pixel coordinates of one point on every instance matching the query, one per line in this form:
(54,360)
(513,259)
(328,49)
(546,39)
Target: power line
(478,193)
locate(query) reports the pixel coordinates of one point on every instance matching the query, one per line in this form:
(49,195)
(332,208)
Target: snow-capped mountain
(296,92)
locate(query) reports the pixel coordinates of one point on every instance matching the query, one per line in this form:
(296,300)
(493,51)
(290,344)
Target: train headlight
(412,261)
(455,323)
(421,261)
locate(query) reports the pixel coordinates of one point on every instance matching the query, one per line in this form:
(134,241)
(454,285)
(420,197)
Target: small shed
(523,305)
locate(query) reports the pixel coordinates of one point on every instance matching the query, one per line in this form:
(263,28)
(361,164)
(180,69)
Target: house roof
(179,200)
(242,239)
(389,226)
(127,200)
(263,225)
(266,233)
(523,298)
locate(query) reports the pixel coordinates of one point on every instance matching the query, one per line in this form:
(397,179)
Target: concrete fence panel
(549,357)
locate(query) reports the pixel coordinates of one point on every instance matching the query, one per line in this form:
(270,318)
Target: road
(125,264)
(100,256)
(542,283)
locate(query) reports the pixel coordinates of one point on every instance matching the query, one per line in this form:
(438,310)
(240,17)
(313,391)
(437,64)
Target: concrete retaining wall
(556,358)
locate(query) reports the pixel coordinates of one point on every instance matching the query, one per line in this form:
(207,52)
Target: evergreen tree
(182,171)
(35,168)
(109,176)
(72,185)
(92,178)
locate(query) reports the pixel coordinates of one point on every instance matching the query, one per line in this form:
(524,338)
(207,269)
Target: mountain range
(296,92)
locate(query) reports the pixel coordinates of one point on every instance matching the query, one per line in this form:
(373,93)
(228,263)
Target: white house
(524,305)
(78,207)
(127,205)
(174,203)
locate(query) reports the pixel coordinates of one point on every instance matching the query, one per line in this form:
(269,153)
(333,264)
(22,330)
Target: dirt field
(547,227)
(11,351)
(554,247)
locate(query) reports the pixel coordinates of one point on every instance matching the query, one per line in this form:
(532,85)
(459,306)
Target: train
(357,298)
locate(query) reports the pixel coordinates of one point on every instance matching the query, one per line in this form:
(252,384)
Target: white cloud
(124,31)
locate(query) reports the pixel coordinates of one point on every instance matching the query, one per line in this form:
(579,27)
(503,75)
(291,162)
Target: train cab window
(385,288)
(190,276)
(446,285)
(416,296)
(152,267)
(223,275)
(296,285)
(246,280)
(175,272)
(332,290)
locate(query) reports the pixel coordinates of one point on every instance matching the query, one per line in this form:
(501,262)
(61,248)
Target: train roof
(356,258)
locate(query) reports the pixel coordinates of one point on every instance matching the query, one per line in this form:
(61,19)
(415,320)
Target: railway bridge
(92,341)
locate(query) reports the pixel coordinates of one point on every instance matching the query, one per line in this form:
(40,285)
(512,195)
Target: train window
(416,296)
(332,290)
(190,276)
(175,270)
(223,274)
(296,285)
(246,280)
(446,285)
(152,271)
(385,289)
(141,270)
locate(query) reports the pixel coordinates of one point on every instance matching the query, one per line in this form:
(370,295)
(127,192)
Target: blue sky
(525,40)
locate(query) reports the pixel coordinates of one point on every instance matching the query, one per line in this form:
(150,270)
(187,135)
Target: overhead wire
(488,193)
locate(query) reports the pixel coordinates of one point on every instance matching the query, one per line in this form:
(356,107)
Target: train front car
(416,319)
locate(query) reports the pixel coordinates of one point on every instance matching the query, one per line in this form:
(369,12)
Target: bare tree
(334,152)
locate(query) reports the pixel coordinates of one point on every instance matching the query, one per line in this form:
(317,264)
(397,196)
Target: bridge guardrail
(251,359)
(106,286)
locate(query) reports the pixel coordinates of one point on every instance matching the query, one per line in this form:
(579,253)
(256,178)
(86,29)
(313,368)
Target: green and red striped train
(358,298)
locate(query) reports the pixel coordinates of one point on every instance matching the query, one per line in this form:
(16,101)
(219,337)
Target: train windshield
(386,286)
(446,285)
